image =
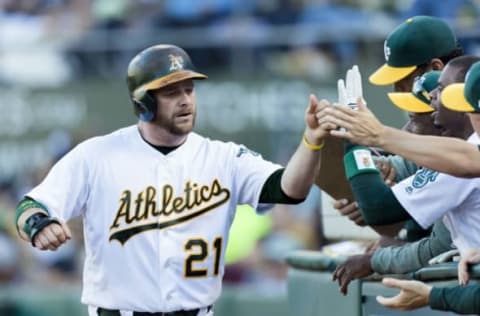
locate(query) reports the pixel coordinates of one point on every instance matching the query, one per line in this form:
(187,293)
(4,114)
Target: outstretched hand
(350,210)
(471,257)
(355,267)
(314,132)
(52,236)
(387,170)
(358,126)
(413,294)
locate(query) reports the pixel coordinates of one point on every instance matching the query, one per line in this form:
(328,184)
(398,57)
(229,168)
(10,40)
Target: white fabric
(429,195)
(108,180)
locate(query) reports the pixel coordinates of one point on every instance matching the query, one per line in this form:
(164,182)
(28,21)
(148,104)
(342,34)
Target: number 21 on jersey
(198,250)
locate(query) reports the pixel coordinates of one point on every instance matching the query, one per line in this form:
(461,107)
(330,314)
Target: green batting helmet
(153,68)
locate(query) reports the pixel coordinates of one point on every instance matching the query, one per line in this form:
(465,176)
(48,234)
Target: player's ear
(142,111)
(437,64)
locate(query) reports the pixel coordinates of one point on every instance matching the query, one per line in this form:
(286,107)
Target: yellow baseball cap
(464,97)
(417,101)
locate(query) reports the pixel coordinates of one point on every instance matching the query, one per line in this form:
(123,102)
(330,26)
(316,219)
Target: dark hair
(456,52)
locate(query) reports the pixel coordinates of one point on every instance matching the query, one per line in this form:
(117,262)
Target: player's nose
(186,98)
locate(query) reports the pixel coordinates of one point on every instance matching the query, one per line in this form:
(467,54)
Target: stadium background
(62,79)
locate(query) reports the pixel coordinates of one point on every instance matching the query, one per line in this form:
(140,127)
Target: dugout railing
(311,291)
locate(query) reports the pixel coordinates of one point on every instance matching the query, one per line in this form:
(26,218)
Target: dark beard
(177,130)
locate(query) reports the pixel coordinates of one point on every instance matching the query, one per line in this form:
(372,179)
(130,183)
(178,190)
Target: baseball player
(461,299)
(418,45)
(426,196)
(158,199)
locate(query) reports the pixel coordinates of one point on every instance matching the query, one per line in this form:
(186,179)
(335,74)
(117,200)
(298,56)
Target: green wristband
(358,160)
(26,204)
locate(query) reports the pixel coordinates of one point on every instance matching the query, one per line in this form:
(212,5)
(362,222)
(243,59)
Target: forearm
(412,256)
(407,258)
(299,174)
(376,200)
(458,299)
(438,153)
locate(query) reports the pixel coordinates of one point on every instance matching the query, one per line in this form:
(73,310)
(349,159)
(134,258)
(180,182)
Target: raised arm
(444,154)
(299,174)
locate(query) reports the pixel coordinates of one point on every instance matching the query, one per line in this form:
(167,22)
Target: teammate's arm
(397,260)
(299,174)
(376,200)
(437,153)
(412,256)
(416,294)
(433,152)
(35,225)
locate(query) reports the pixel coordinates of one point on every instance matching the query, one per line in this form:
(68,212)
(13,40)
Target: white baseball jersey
(156,226)
(429,195)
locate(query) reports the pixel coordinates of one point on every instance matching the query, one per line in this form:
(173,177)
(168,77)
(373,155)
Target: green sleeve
(375,199)
(272,190)
(458,299)
(412,256)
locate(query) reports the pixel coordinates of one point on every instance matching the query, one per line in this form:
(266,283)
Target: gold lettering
(167,197)
(197,200)
(145,203)
(124,209)
(138,205)
(150,201)
(195,196)
(204,190)
(188,191)
(216,188)
(178,205)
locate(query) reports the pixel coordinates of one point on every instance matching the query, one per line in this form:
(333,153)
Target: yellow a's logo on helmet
(176,62)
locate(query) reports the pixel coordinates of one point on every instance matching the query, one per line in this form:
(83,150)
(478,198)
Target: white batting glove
(342,92)
(348,93)
(354,87)
(351,89)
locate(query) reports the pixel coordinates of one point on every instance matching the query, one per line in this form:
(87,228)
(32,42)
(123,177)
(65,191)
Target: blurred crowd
(77,38)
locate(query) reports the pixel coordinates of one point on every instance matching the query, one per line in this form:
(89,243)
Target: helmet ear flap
(145,107)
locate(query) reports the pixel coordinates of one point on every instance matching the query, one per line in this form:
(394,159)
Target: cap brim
(386,74)
(173,77)
(453,98)
(408,102)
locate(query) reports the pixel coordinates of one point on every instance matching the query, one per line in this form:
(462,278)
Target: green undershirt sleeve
(458,299)
(376,201)
(272,191)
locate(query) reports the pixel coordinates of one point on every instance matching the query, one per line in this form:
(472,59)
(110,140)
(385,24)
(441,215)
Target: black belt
(114,312)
